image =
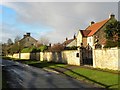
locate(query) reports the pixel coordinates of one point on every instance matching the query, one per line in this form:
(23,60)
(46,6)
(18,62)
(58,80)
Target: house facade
(28,41)
(94,34)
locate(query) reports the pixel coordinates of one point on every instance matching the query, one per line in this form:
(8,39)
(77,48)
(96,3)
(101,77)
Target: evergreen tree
(113,34)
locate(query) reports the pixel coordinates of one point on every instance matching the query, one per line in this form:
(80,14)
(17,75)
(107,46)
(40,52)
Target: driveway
(24,76)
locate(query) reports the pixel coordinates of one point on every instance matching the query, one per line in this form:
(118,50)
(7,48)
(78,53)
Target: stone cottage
(27,41)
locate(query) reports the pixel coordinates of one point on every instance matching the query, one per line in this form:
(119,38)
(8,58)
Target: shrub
(28,50)
(110,44)
(71,48)
(42,48)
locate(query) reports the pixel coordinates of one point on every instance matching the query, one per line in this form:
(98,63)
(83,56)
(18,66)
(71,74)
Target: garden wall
(102,58)
(68,56)
(106,58)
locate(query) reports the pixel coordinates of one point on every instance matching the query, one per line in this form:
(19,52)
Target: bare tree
(9,42)
(44,40)
(17,38)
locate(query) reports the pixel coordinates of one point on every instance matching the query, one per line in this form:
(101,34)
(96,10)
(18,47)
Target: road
(24,76)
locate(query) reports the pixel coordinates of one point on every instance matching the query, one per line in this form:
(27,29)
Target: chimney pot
(66,38)
(50,45)
(28,34)
(112,15)
(74,36)
(24,36)
(92,22)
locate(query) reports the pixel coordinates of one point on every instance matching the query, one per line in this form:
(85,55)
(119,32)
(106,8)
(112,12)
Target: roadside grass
(105,79)
(6,58)
(47,64)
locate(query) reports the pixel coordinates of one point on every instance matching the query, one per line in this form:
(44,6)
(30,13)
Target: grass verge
(105,79)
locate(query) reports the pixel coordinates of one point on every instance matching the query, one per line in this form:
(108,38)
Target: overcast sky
(55,20)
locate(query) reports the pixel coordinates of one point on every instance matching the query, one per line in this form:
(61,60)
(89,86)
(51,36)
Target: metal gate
(87,57)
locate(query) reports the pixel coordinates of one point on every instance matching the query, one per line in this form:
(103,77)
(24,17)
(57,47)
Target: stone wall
(46,56)
(106,58)
(102,58)
(16,55)
(22,55)
(25,55)
(68,56)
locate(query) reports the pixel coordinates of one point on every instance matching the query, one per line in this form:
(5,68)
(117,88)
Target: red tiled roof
(95,27)
(85,32)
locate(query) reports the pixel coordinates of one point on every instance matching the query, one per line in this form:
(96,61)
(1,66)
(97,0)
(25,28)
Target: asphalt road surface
(24,76)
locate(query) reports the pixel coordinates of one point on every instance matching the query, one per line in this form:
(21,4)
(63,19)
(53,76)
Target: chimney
(24,36)
(92,22)
(112,16)
(66,38)
(74,36)
(28,34)
(50,45)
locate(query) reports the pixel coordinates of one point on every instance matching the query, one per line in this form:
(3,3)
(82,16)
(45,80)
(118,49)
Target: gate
(87,57)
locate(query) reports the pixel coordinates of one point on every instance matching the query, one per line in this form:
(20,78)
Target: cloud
(9,31)
(60,1)
(63,18)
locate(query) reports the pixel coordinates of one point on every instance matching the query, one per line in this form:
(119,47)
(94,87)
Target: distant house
(62,46)
(28,41)
(56,48)
(70,42)
(93,35)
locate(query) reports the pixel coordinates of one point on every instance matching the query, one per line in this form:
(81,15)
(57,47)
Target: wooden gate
(87,57)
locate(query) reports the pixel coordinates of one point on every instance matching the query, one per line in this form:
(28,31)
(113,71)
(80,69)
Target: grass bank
(105,79)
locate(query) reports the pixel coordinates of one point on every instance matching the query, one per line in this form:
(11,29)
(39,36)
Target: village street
(24,76)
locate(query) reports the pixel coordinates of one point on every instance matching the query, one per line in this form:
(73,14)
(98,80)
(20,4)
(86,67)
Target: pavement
(23,76)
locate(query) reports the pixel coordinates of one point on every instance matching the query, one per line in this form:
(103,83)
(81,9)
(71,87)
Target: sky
(54,20)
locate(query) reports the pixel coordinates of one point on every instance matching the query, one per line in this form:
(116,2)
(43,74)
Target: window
(89,39)
(77,55)
(28,39)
